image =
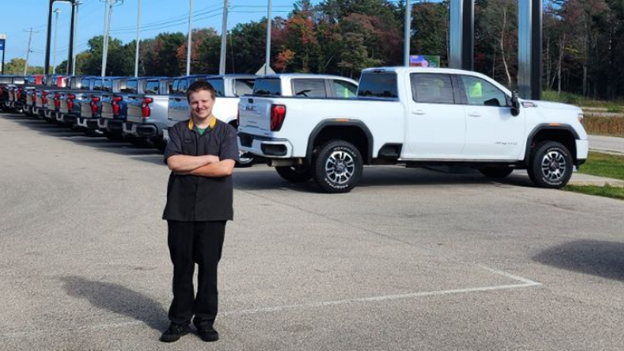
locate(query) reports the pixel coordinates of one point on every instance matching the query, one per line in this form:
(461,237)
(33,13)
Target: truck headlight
(580,118)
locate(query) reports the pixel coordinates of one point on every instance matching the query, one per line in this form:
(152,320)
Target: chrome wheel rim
(340,167)
(244,157)
(554,165)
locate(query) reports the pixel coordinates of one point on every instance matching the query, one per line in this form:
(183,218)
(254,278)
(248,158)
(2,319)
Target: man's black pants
(190,243)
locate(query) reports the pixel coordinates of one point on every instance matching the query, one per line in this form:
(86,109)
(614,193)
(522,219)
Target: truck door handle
(474,114)
(418,112)
(177,99)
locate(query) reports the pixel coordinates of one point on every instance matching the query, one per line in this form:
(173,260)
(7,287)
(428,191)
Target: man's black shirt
(195,198)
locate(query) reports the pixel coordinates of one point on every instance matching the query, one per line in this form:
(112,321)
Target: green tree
(161,60)
(15,66)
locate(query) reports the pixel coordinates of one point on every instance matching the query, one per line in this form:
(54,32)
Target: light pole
(223,38)
(408,32)
(188,44)
(56,13)
(73,68)
(268,41)
(136,54)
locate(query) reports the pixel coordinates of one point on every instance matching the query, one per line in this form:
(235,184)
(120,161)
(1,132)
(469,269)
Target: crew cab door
(492,132)
(436,122)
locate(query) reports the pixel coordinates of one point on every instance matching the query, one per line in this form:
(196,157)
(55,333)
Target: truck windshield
(267,87)
(379,85)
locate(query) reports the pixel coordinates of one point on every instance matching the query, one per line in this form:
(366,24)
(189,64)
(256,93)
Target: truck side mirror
(515,104)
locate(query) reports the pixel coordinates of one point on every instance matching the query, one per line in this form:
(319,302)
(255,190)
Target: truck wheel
(337,166)
(295,174)
(245,159)
(496,172)
(550,165)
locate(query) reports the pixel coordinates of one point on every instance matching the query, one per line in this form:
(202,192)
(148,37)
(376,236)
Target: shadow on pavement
(600,258)
(260,177)
(118,299)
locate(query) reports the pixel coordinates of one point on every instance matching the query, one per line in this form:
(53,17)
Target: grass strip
(605,191)
(604,165)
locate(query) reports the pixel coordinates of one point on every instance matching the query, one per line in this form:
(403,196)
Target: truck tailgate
(255,114)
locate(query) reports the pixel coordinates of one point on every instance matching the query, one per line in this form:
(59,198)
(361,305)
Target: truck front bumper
(265,146)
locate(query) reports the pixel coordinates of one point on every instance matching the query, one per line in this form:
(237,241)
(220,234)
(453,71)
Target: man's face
(201,104)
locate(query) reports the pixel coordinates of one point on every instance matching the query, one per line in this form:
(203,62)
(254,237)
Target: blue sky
(18,16)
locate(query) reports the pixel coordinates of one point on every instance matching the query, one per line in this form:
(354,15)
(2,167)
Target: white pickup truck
(416,117)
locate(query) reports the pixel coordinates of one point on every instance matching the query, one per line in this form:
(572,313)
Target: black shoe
(175,332)
(207,333)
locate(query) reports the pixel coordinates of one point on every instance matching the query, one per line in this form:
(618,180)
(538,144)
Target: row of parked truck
(327,128)
(140,109)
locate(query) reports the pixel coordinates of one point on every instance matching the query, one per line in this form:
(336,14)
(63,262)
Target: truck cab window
(481,92)
(267,87)
(152,87)
(344,89)
(309,87)
(379,85)
(243,87)
(432,88)
(218,85)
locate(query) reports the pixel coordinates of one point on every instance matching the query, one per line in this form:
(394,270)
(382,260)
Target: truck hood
(553,105)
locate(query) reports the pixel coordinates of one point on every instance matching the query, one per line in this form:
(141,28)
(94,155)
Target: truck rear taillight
(19,94)
(146,111)
(70,101)
(57,100)
(44,97)
(278,113)
(33,97)
(115,104)
(94,106)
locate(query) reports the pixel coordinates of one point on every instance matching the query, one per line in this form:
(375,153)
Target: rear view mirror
(515,104)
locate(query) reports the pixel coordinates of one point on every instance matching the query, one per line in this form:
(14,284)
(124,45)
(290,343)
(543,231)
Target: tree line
(583,47)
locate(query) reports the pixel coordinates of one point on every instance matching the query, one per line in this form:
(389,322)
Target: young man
(201,154)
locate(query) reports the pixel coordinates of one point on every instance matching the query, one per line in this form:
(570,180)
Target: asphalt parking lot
(412,259)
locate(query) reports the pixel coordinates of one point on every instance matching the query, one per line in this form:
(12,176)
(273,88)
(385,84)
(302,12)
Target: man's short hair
(198,86)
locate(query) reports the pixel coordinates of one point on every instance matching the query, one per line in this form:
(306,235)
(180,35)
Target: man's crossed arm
(203,166)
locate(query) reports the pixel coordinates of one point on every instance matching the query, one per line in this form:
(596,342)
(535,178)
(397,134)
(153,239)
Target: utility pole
(56,13)
(136,54)
(28,50)
(108,13)
(267,63)
(223,38)
(188,44)
(408,32)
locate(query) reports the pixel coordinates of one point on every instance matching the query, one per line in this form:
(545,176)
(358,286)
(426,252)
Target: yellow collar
(191,124)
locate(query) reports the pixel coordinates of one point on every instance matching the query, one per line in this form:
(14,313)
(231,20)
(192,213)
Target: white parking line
(525,283)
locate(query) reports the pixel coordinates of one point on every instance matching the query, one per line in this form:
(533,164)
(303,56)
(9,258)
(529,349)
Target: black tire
(496,172)
(550,165)
(295,174)
(113,136)
(337,166)
(245,159)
